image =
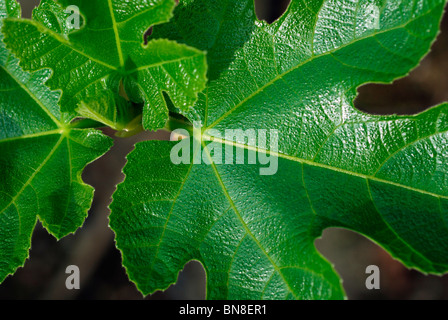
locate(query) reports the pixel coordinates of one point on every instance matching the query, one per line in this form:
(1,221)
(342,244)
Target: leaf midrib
(310,59)
(31,178)
(33,135)
(252,236)
(325,166)
(121,68)
(30,94)
(58,37)
(243,223)
(369,190)
(116,33)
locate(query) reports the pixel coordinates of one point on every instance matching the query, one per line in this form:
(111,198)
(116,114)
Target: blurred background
(92,247)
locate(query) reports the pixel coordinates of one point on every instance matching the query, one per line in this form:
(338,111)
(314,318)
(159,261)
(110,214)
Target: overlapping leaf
(107,50)
(383,176)
(41,159)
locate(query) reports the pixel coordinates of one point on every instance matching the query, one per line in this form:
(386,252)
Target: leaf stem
(132,128)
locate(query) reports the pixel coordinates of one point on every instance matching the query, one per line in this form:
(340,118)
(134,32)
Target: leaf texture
(109,50)
(385,177)
(41,159)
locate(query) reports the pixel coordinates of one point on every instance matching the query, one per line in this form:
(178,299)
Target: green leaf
(41,159)
(107,49)
(385,177)
(109,109)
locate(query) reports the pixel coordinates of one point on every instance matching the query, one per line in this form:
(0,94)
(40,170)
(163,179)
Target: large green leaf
(385,177)
(41,159)
(108,50)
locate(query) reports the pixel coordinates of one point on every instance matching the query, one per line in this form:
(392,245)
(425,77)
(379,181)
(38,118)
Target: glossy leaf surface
(41,159)
(385,177)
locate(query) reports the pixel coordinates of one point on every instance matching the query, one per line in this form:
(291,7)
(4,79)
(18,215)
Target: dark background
(92,247)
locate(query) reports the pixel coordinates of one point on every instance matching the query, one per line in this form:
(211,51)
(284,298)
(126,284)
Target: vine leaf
(41,159)
(385,177)
(108,50)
